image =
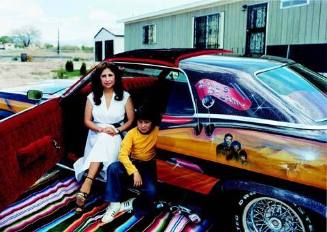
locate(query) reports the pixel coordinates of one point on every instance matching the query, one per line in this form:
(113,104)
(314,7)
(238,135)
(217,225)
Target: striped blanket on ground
(49,205)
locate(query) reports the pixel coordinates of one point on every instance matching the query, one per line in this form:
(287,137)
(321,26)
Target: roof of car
(249,65)
(168,57)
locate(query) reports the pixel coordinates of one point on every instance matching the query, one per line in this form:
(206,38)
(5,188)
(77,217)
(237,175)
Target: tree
(48,46)
(26,36)
(5,39)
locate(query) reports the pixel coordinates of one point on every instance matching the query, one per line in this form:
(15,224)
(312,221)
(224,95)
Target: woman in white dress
(104,115)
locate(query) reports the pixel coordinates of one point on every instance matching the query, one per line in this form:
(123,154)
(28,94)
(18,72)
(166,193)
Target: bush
(60,73)
(76,59)
(14,58)
(69,66)
(86,49)
(82,70)
(29,58)
(48,46)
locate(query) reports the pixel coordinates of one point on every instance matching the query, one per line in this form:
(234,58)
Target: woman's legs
(86,186)
(92,172)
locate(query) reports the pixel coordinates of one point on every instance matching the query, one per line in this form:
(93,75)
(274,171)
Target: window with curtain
(206,31)
(149,34)
(293,3)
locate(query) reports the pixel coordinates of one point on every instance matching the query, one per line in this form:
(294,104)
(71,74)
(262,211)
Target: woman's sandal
(81,198)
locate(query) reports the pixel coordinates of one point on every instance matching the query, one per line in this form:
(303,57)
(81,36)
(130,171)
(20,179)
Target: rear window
(220,91)
(297,91)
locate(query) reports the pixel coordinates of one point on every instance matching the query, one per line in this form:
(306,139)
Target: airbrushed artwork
(231,149)
(229,95)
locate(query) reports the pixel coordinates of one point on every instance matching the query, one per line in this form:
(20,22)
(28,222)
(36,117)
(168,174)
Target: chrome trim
(269,69)
(262,121)
(153,65)
(177,69)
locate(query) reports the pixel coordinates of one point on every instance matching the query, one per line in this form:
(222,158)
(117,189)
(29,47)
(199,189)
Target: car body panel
(294,159)
(14,99)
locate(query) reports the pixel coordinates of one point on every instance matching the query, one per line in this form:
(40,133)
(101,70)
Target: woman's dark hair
(97,87)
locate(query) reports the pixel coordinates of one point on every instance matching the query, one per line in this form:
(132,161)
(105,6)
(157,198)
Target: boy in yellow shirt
(137,165)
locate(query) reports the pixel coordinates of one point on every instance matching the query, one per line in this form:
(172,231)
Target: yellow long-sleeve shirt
(137,146)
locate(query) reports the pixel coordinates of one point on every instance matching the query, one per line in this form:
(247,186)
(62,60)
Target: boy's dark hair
(146,113)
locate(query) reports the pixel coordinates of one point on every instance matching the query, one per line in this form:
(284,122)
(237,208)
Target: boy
(137,164)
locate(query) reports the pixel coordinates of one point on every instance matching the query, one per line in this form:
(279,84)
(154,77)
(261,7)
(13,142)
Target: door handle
(56,144)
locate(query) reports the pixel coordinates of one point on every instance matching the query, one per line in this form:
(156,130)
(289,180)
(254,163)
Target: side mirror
(34,94)
(198,128)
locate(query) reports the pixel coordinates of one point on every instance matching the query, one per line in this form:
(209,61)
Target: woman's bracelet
(117,131)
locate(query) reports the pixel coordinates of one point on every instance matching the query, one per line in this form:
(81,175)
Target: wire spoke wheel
(265,214)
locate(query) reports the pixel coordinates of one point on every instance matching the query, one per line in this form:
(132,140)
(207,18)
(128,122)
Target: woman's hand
(137,179)
(110,131)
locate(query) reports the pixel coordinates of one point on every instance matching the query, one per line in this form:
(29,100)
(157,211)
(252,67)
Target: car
(248,134)
(16,99)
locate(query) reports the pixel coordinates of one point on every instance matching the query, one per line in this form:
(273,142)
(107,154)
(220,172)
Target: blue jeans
(118,181)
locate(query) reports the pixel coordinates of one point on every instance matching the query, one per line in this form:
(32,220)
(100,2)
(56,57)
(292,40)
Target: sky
(78,20)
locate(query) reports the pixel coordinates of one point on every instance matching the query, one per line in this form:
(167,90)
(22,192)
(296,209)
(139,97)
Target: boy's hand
(137,179)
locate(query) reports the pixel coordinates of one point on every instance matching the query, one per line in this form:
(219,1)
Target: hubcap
(270,215)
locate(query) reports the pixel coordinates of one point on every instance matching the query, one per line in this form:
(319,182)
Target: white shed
(107,44)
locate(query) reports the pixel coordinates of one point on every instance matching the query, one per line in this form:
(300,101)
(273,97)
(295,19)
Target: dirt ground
(16,73)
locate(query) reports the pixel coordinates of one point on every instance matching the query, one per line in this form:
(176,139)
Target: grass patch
(63,74)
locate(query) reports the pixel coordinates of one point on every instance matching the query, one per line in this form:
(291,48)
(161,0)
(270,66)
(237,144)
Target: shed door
(98,51)
(256,29)
(109,48)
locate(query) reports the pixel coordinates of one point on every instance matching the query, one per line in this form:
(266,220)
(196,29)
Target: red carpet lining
(50,206)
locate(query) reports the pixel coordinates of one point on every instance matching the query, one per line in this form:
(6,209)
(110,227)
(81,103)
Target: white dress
(101,147)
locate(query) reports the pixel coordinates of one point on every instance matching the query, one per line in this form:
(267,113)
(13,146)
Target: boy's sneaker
(127,205)
(111,213)
(194,218)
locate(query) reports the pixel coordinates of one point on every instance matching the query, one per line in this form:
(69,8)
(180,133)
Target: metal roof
(193,6)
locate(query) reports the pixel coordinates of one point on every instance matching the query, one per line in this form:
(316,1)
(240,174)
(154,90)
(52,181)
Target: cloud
(76,20)
(18,14)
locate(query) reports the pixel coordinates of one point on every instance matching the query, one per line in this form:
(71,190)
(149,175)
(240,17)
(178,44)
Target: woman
(104,114)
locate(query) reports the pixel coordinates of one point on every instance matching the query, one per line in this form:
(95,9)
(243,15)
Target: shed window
(206,31)
(149,34)
(293,3)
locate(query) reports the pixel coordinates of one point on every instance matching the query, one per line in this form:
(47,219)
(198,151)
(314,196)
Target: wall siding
(296,25)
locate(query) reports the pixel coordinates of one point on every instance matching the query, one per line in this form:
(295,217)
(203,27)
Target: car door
(31,143)
(256,140)
(245,127)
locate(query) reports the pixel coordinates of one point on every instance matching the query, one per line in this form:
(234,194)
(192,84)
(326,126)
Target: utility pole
(58,45)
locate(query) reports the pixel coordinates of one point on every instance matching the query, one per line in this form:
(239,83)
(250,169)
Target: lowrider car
(248,134)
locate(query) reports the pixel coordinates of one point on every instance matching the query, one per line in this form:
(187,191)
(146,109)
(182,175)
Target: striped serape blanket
(49,205)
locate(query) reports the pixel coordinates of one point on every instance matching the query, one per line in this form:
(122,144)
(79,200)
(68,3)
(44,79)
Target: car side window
(179,102)
(231,94)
